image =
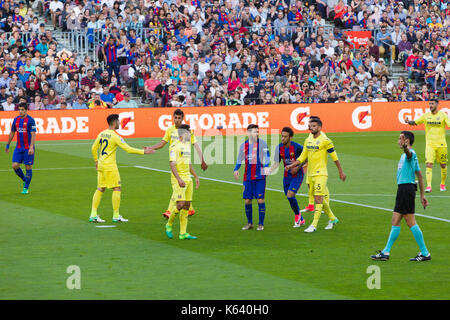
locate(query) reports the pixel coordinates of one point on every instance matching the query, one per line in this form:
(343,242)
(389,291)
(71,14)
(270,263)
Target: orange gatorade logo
(361,117)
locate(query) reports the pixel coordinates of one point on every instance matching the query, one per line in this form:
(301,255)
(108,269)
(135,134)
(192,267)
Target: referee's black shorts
(405,200)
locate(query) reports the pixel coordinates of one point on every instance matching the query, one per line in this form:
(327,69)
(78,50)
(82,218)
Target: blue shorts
(292,183)
(21,156)
(254,189)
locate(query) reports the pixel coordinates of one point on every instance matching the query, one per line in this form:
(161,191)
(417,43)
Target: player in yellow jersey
(170,136)
(107,173)
(315,150)
(182,185)
(436,145)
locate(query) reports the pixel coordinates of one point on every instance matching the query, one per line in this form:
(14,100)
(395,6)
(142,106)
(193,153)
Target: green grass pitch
(43,233)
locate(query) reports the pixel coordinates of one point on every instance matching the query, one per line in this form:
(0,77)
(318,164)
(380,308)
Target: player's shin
(116,204)
(249,213)
(418,235)
(96,202)
(395,231)
(311,194)
(443,175)
(327,208)
(19,173)
(262,212)
(29,175)
(317,213)
(183,221)
(294,205)
(429,176)
(173,215)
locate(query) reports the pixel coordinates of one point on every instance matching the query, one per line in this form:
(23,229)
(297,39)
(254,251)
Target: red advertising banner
(358,38)
(152,122)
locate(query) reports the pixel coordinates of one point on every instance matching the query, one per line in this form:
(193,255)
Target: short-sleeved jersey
(172,135)
(288,155)
(316,151)
(105,147)
(180,153)
(256,157)
(24,127)
(407,168)
(434,128)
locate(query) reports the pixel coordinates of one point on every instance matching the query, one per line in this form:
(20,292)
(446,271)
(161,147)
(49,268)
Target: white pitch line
(379,195)
(301,194)
(73,168)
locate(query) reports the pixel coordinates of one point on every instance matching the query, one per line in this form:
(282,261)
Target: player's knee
(429,165)
(181,204)
(15,165)
(318,199)
(101,189)
(443,165)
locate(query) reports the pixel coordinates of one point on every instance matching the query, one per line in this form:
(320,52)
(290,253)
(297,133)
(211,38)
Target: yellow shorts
(320,185)
(182,194)
(108,179)
(436,153)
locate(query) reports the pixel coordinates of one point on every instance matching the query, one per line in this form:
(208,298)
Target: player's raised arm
(159,145)
(420,120)
(126,147)
(300,160)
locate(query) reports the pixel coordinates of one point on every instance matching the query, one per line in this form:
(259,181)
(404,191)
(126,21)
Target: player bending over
(25,127)
(254,152)
(104,153)
(436,145)
(315,150)
(182,185)
(170,137)
(408,168)
(288,151)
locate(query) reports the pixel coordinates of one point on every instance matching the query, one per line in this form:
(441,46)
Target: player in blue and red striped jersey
(110,55)
(288,151)
(25,127)
(254,152)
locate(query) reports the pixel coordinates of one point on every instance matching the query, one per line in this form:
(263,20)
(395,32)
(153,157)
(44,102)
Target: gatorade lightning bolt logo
(362,115)
(301,116)
(124,122)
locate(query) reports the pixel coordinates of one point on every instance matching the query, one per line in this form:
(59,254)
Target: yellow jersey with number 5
(105,147)
(434,128)
(316,151)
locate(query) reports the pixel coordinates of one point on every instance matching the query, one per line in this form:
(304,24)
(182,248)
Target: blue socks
(395,231)
(19,172)
(29,175)
(294,205)
(418,235)
(262,212)
(248,213)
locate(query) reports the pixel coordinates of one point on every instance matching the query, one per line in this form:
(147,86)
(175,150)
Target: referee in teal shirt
(408,169)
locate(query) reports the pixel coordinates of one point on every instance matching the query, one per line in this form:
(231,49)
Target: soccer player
(436,145)
(315,150)
(254,152)
(408,168)
(288,151)
(107,173)
(25,127)
(182,185)
(310,206)
(170,137)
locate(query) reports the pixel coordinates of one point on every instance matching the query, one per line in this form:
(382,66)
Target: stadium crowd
(222,52)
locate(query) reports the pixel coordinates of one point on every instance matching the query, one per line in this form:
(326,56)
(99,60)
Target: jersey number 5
(106,145)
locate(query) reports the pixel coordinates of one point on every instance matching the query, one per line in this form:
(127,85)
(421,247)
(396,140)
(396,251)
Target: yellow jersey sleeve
(94,148)
(118,140)
(304,155)
(167,135)
(330,149)
(421,119)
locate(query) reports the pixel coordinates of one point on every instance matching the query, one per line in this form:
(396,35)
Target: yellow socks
(310,194)
(96,202)
(191,207)
(326,206)
(172,216)
(183,221)
(116,203)
(429,175)
(443,175)
(317,213)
